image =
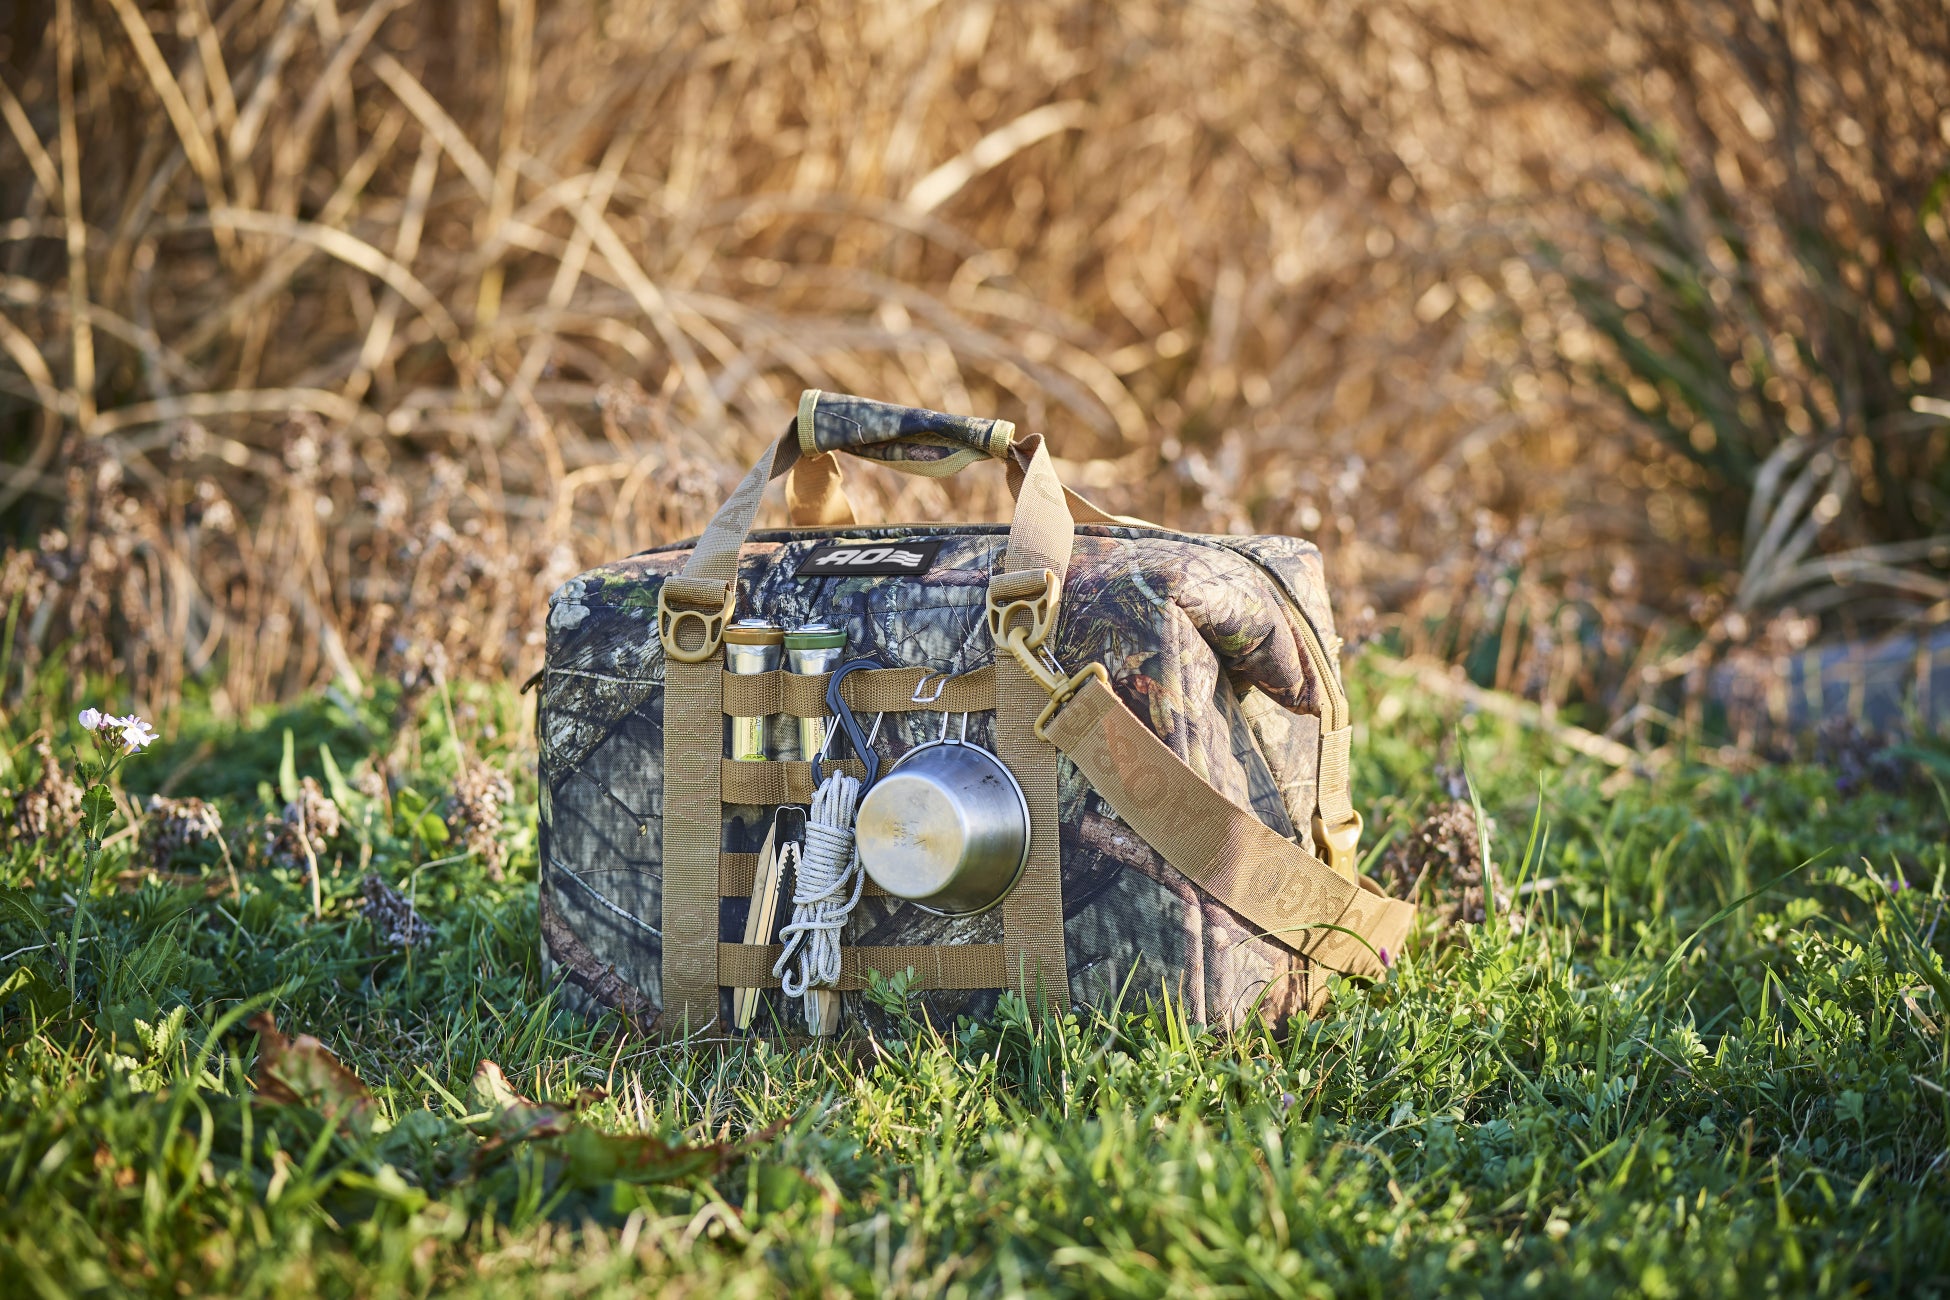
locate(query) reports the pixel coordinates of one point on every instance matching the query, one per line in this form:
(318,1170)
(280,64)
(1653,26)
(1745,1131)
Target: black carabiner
(861,742)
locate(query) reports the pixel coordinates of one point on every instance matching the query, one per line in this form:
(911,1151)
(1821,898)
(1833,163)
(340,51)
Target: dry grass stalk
(338,337)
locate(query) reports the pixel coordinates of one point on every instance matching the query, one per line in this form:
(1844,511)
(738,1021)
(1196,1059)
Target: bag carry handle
(909,439)
(1040,536)
(903,438)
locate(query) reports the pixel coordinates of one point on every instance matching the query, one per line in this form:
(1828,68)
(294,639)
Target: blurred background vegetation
(1600,344)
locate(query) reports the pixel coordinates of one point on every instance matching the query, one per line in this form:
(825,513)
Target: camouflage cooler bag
(1169,704)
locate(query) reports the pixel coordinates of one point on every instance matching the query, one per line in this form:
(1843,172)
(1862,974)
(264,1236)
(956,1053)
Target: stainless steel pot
(947,827)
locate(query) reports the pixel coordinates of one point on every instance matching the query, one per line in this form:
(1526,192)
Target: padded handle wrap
(906,438)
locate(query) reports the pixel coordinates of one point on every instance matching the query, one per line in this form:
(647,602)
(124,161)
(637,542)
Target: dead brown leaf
(581,1154)
(303,1072)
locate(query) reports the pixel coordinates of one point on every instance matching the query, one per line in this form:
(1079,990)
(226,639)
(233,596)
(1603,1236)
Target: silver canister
(751,645)
(947,828)
(811,649)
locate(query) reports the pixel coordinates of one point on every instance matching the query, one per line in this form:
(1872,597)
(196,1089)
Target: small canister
(751,645)
(811,649)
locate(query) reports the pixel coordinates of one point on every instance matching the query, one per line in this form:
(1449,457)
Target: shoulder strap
(1291,895)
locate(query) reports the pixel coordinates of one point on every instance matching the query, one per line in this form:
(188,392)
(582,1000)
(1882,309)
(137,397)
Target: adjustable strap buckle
(1340,845)
(711,623)
(1064,689)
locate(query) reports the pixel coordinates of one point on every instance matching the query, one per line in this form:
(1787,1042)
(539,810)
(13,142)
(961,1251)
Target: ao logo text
(872,555)
(869,559)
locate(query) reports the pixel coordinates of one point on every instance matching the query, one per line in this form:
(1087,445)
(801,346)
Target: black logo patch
(869,559)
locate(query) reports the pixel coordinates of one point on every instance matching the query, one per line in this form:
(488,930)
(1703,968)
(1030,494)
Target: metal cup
(947,828)
(751,645)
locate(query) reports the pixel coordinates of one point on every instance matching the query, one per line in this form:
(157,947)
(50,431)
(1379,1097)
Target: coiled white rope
(820,901)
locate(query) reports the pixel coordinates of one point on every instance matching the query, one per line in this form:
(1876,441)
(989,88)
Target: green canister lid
(815,636)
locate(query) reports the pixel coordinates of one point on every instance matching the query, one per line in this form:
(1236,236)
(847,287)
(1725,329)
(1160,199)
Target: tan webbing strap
(892,690)
(1336,762)
(693,821)
(1086,511)
(876,690)
(738,872)
(753,695)
(775,781)
(1274,883)
(1032,913)
(692,834)
(1338,819)
(935,966)
(803,694)
(715,557)
(815,494)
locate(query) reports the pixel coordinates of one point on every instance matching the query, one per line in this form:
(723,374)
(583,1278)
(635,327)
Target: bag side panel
(600,728)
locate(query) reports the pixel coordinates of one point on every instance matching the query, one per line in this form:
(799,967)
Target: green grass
(1640,1084)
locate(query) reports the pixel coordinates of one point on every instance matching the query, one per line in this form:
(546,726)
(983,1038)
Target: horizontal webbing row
(935,966)
(873,690)
(776,781)
(738,875)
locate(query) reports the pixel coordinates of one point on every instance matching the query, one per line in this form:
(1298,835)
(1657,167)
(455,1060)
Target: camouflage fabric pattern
(1200,638)
(897,434)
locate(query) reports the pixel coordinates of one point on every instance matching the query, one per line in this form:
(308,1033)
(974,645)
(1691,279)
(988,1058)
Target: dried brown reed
(336,336)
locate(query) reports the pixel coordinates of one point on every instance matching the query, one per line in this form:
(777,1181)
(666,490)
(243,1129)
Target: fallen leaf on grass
(579,1154)
(590,1158)
(303,1072)
(511,1116)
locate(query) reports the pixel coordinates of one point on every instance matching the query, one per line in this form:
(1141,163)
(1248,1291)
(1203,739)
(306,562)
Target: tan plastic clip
(712,623)
(1341,846)
(1025,643)
(1041,609)
(1061,693)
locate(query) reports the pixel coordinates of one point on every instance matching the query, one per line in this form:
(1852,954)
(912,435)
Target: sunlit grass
(1628,1081)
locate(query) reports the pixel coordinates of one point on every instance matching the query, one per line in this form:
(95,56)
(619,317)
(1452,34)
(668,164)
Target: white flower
(92,719)
(136,733)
